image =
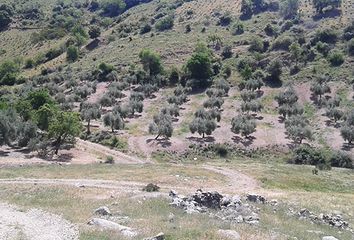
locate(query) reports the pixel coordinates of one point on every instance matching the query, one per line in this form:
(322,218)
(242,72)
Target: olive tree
(320,87)
(8,128)
(161,125)
(298,128)
(347,130)
(203,123)
(213,102)
(90,111)
(251,106)
(113,120)
(243,125)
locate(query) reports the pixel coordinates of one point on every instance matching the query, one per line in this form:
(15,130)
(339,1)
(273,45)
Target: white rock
(229,234)
(109,225)
(329,238)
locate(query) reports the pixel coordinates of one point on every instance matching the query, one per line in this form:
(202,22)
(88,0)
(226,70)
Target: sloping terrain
(101,100)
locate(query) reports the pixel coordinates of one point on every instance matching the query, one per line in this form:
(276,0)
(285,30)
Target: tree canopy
(151,62)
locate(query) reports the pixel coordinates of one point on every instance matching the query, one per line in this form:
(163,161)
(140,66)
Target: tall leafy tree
(151,62)
(64,126)
(199,67)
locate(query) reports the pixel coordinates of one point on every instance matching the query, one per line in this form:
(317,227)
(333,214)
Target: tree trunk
(203,135)
(57,145)
(88,127)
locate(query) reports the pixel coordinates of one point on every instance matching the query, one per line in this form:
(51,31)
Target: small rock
(329,238)
(104,211)
(109,225)
(273,202)
(229,234)
(171,217)
(314,231)
(160,236)
(256,198)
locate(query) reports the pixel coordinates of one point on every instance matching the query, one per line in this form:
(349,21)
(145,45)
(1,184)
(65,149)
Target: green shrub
(341,160)
(165,24)
(323,48)
(109,160)
(326,35)
(221,150)
(145,28)
(225,20)
(151,188)
(238,28)
(5,17)
(112,8)
(351,47)
(306,155)
(29,63)
(336,58)
(94,32)
(72,53)
(282,43)
(256,45)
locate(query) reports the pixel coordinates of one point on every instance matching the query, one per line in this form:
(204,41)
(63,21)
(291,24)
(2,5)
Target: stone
(256,198)
(112,226)
(104,211)
(329,238)
(171,217)
(273,202)
(229,234)
(160,236)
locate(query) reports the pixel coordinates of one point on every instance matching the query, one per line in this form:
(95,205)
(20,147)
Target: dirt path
(101,151)
(34,224)
(237,181)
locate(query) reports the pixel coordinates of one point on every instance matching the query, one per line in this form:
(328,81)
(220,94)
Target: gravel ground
(34,224)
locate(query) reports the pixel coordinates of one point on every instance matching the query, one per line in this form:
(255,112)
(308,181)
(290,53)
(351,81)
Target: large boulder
(112,226)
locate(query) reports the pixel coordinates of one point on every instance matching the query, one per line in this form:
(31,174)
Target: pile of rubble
(228,208)
(334,220)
